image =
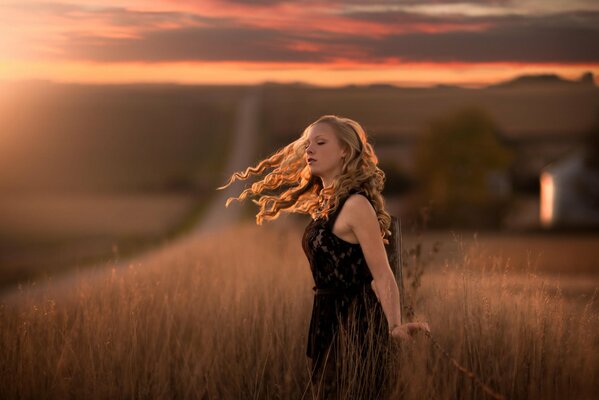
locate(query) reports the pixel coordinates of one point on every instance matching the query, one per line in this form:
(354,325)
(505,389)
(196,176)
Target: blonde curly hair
(301,192)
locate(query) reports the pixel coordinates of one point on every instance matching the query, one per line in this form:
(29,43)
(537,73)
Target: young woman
(331,173)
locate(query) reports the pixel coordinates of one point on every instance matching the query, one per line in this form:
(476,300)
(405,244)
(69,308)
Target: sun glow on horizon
(413,74)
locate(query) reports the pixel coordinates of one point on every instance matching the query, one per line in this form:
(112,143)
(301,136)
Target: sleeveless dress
(343,297)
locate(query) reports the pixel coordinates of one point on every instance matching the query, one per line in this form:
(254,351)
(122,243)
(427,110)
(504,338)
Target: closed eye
(319,143)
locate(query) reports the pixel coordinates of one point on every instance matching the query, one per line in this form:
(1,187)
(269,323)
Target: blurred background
(118,120)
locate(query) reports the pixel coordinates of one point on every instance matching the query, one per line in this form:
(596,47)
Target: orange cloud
(192,41)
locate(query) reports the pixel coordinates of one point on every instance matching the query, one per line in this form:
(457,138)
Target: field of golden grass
(225,316)
(48,233)
(104,167)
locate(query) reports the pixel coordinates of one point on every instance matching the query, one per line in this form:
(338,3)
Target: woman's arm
(364,223)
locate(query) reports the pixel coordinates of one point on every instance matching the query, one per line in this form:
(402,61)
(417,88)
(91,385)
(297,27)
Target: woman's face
(323,152)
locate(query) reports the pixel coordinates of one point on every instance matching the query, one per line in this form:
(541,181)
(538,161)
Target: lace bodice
(334,262)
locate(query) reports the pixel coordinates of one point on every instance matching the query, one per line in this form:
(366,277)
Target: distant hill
(534,80)
(586,79)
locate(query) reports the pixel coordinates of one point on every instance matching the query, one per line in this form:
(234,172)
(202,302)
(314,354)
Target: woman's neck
(327,182)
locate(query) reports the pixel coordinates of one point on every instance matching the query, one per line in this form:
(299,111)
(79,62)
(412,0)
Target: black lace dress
(343,297)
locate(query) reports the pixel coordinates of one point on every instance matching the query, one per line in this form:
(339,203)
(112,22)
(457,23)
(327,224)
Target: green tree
(458,163)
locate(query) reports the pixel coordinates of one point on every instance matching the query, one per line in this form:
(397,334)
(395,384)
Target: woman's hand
(407,330)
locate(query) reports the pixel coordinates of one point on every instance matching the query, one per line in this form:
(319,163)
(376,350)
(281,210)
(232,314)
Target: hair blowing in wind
(291,187)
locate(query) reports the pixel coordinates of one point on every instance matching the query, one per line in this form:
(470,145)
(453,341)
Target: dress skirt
(348,343)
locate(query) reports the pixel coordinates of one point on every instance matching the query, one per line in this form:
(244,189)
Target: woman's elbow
(385,283)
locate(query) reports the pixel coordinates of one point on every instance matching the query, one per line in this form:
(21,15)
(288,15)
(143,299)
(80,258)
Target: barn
(570,192)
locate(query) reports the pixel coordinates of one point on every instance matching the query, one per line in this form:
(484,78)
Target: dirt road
(242,155)
(217,216)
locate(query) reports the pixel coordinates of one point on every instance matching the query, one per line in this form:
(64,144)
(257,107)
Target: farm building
(570,192)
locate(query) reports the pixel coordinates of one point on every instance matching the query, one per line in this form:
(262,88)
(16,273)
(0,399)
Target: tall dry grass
(226,317)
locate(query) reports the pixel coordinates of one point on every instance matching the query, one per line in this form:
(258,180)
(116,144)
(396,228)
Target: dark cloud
(568,37)
(114,16)
(560,38)
(197,43)
(147,19)
(404,18)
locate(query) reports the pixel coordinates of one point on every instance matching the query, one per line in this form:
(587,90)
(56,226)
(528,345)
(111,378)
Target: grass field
(168,140)
(46,234)
(90,173)
(225,317)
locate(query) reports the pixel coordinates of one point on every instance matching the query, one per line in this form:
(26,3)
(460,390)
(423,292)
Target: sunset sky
(331,43)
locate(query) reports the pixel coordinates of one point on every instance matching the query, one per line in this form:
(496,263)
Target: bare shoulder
(360,209)
(358,200)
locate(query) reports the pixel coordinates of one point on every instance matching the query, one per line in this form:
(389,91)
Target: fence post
(394,255)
